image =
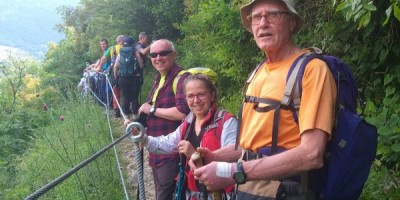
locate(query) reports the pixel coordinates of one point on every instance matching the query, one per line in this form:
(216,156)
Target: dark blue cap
(128,41)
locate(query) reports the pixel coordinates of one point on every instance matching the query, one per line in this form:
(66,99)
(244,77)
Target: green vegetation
(47,128)
(206,33)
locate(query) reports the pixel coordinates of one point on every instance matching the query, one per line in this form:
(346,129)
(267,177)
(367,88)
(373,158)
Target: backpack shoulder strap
(292,83)
(220,117)
(176,80)
(292,90)
(253,73)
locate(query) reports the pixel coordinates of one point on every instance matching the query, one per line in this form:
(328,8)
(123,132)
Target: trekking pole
(197,160)
(137,156)
(180,181)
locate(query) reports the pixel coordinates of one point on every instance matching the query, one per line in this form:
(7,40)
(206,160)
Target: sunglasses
(161,54)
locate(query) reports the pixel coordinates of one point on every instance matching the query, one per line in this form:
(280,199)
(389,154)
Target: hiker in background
(98,80)
(140,47)
(141,61)
(111,55)
(98,66)
(204,126)
(165,111)
(126,71)
(102,89)
(265,170)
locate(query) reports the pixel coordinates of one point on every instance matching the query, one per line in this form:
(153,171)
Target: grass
(77,130)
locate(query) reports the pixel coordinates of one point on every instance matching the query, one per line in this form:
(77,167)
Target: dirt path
(128,164)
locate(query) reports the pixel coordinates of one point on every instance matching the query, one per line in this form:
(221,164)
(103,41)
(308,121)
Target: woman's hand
(135,131)
(186,148)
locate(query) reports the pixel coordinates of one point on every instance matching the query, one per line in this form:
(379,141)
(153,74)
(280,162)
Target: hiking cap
(290,4)
(128,41)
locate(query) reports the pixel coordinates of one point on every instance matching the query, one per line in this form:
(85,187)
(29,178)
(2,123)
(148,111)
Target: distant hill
(29,24)
(5,52)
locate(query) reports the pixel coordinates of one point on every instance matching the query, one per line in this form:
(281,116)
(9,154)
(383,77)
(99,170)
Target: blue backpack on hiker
(352,148)
(127,62)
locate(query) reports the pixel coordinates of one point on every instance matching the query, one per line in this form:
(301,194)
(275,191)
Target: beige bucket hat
(290,4)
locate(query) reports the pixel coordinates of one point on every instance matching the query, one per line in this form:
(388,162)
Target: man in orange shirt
(262,169)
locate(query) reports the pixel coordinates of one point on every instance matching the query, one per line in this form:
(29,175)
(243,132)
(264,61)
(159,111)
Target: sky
(29,25)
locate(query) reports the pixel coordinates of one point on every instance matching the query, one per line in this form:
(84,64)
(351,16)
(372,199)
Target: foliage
(64,143)
(222,47)
(382,183)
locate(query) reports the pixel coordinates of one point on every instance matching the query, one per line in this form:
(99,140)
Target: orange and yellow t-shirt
(316,107)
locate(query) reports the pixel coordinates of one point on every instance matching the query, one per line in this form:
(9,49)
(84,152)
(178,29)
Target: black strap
(274,146)
(239,126)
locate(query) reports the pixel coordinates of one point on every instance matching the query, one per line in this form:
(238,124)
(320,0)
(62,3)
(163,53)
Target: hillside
(29,24)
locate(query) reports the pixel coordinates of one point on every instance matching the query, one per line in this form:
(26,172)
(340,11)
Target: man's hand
(207,154)
(145,108)
(208,175)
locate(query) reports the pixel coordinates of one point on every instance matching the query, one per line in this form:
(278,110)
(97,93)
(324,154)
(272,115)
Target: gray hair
(120,37)
(142,34)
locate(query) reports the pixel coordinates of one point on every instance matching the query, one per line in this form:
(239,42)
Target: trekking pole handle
(135,137)
(198,161)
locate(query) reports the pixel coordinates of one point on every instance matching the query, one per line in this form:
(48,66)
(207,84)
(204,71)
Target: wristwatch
(239,176)
(152,110)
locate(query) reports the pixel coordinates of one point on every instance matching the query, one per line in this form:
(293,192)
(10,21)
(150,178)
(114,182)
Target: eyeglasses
(271,16)
(162,54)
(200,96)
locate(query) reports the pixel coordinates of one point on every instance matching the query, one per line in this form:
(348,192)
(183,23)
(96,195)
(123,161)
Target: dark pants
(164,179)
(127,89)
(106,96)
(103,90)
(137,84)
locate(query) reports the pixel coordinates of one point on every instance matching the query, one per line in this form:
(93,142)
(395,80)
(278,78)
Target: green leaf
(396,12)
(389,91)
(384,131)
(341,6)
(369,6)
(396,147)
(388,79)
(359,14)
(365,19)
(388,13)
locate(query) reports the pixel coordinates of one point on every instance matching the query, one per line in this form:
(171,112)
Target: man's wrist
(152,111)
(224,169)
(239,176)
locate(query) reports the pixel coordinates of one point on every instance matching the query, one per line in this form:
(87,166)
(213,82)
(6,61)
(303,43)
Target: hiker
(104,66)
(103,90)
(127,73)
(140,47)
(110,56)
(141,61)
(165,110)
(204,126)
(265,170)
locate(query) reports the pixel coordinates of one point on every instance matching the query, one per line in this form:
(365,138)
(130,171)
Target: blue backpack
(352,148)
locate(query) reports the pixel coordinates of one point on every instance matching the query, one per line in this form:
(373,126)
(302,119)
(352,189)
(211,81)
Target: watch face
(152,109)
(239,177)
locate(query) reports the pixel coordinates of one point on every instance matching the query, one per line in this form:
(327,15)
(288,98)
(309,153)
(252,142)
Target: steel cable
(61,178)
(112,139)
